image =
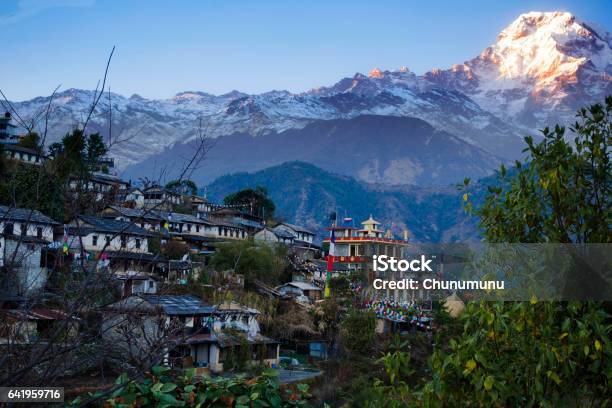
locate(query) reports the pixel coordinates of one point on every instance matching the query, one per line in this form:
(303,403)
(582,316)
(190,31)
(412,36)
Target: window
(271,351)
(137,243)
(197,228)
(123,241)
(188,227)
(39,232)
(94,240)
(108,240)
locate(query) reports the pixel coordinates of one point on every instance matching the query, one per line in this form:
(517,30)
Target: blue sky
(167,47)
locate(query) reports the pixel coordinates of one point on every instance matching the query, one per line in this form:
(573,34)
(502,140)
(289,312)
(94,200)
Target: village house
(303,244)
(23,154)
(149,220)
(98,234)
(201,205)
(193,333)
(34,325)
(132,197)
(240,219)
(160,198)
(25,233)
(301,235)
(103,186)
(117,247)
(302,291)
(8,131)
(274,236)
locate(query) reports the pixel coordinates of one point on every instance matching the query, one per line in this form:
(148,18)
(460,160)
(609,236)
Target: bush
(358,331)
(163,389)
(525,354)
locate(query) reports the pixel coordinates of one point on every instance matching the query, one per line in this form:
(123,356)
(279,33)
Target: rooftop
(108,225)
(301,285)
(24,215)
(297,228)
(179,304)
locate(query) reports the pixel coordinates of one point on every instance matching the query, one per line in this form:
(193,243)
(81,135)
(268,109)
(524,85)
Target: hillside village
(149,256)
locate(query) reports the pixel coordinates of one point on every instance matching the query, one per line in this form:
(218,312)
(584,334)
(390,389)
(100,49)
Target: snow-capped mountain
(542,67)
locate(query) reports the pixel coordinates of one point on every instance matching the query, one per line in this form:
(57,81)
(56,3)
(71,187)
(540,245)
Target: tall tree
(539,353)
(256,200)
(96,148)
(563,193)
(183,186)
(31,141)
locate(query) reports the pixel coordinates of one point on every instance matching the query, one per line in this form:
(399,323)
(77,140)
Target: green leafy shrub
(357,331)
(163,389)
(525,354)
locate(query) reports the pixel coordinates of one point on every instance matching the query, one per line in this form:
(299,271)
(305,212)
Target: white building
(274,236)
(301,235)
(25,233)
(99,234)
(8,131)
(199,335)
(23,154)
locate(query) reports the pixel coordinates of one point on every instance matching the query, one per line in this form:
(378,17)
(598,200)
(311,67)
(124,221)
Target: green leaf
(488,383)
(470,366)
(160,370)
(168,387)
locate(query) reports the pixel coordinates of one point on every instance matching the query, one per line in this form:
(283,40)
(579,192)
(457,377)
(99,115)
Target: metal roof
(180,217)
(24,215)
(106,178)
(136,213)
(179,304)
(278,232)
(297,228)
(109,225)
(301,285)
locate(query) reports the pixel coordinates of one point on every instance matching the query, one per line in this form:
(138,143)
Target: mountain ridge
(371,148)
(430,214)
(490,101)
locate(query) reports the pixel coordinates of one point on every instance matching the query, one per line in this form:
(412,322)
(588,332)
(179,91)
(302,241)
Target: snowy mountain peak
(546,46)
(540,70)
(375,73)
(542,67)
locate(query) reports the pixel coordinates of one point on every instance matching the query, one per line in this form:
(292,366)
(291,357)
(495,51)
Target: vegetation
(163,388)
(174,249)
(530,353)
(256,200)
(44,187)
(31,141)
(357,331)
(77,154)
(183,186)
(254,260)
(562,194)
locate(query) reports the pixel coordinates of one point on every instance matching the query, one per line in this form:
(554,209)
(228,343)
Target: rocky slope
(374,149)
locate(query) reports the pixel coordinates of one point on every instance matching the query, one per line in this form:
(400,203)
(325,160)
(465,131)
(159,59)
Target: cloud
(28,8)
